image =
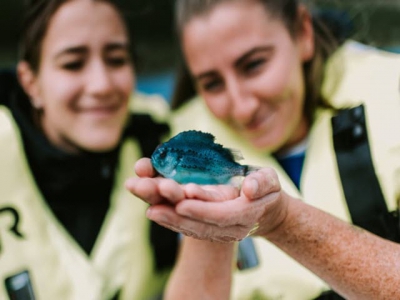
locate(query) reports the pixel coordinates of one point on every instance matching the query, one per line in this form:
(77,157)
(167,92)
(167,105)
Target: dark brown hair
(287,11)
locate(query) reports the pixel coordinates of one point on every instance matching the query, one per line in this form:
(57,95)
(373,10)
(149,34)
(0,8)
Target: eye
(117,61)
(163,153)
(73,65)
(253,65)
(212,85)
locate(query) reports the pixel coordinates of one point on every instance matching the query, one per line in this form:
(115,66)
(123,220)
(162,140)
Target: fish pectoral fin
(237,155)
(251,168)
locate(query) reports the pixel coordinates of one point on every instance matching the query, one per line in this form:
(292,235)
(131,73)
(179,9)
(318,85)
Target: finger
(223,214)
(213,193)
(237,212)
(145,189)
(144,168)
(259,184)
(167,217)
(170,190)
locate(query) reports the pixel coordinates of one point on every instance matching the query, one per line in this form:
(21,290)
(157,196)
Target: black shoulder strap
(361,187)
(329,295)
(163,240)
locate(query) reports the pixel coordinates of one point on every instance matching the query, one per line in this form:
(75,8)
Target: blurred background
(374,22)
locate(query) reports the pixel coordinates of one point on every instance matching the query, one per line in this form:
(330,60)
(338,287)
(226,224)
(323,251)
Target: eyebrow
(72,50)
(117,46)
(239,61)
(204,75)
(253,51)
(84,49)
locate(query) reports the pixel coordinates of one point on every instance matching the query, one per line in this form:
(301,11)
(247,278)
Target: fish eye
(163,153)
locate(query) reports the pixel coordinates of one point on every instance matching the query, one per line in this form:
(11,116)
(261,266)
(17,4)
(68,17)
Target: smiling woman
(271,80)
(68,144)
(266,65)
(84,79)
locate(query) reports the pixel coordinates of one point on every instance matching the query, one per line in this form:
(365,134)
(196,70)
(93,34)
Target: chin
(101,143)
(266,144)
(101,148)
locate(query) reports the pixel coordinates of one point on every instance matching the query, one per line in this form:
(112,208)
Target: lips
(110,107)
(100,111)
(259,125)
(254,125)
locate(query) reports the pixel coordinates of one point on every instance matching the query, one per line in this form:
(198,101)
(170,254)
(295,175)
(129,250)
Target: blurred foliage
(375,22)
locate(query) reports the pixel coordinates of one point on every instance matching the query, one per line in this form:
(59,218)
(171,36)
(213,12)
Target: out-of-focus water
(157,83)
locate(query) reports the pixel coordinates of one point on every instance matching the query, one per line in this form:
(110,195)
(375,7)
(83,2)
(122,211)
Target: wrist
(275,219)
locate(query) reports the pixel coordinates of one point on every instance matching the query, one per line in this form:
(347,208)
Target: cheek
(292,105)
(58,89)
(58,100)
(279,80)
(296,88)
(285,90)
(126,81)
(290,98)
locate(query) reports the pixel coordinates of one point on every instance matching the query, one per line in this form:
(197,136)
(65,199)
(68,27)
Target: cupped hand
(158,190)
(212,212)
(152,189)
(258,209)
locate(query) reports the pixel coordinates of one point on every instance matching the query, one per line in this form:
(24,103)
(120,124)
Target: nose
(99,80)
(244,103)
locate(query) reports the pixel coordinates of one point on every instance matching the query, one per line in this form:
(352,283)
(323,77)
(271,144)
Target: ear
(27,79)
(305,34)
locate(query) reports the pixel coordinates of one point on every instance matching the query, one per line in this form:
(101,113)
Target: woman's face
(85,77)
(248,69)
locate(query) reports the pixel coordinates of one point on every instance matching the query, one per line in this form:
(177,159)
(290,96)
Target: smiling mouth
(253,126)
(105,108)
(100,111)
(257,125)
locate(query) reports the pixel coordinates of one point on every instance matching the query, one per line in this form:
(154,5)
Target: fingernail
(149,212)
(254,186)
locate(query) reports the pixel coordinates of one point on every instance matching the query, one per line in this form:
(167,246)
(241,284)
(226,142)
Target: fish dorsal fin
(196,136)
(199,139)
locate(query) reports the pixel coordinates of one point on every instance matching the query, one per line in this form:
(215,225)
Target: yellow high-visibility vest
(122,257)
(355,75)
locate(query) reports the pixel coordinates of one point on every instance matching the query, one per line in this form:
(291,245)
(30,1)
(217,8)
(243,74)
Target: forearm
(203,271)
(352,261)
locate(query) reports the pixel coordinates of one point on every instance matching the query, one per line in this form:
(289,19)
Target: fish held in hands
(194,157)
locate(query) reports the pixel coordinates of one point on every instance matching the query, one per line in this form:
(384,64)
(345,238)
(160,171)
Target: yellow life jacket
(356,75)
(33,240)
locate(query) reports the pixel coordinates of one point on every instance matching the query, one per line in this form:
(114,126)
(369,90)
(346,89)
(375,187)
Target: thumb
(260,183)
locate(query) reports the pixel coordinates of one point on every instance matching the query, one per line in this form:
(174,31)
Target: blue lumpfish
(193,156)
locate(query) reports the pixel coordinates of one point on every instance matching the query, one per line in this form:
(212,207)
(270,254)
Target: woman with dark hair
(68,227)
(272,81)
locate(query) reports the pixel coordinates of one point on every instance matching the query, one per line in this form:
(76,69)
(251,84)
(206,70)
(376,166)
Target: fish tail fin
(249,169)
